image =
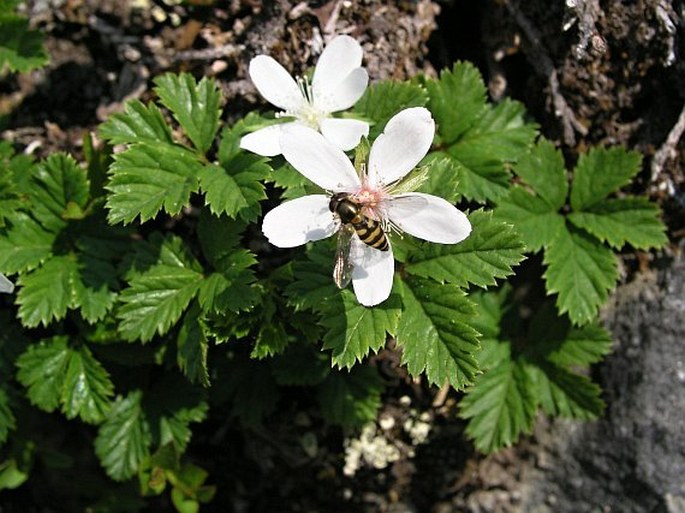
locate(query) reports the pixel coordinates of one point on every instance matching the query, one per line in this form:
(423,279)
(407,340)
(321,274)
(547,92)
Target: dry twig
(585,13)
(210,54)
(543,64)
(667,150)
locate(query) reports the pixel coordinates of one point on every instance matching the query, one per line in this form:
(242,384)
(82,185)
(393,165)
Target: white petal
(344,133)
(298,221)
(404,142)
(275,84)
(429,218)
(372,273)
(340,57)
(318,159)
(265,141)
(6,286)
(344,94)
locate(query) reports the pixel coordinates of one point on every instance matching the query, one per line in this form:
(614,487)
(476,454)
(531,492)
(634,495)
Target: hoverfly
(353,221)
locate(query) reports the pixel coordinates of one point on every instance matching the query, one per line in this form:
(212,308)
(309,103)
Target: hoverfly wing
(6,286)
(407,205)
(342,270)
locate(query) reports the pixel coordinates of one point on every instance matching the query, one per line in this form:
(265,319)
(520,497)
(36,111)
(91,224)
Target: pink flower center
(372,200)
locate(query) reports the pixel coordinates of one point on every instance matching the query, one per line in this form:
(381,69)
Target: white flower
(6,286)
(338,82)
(405,141)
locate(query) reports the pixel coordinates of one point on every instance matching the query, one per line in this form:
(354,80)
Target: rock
(633,459)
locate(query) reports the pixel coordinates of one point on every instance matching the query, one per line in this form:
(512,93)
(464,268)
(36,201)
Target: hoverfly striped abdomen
(368,230)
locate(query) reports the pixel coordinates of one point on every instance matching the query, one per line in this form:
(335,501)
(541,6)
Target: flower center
(372,199)
(307,113)
(310,115)
(369,198)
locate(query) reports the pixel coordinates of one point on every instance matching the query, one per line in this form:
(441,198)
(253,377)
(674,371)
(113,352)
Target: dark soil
(615,76)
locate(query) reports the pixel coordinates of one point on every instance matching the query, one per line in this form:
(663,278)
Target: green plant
(21,49)
(153,300)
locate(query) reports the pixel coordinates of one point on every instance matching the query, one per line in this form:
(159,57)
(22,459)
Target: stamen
(307,113)
(306,89)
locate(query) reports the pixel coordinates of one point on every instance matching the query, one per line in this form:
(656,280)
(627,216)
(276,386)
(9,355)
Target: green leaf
(582,272)
(272,337)
(500,406)
(312,284)
(491,306)
(21,49)
(500,136)
(268,324)
(543,169)
(497,321)
(182,503)
(489,252)
(502,132)
(556,340)
(624,220)
(59,190)
(293,182)
(41,370)
(196,106)
(20,168)
(384,99)
(232,290)
(138,123)
(531,216)
(93,281)
(354,330)
(600,172)
(582,346)
(443,177)
(192,348)
(434,333)
(143,254)
(232,287)
(147,178)
(219,251)
(24,244)
(566,394)
(55,374)
(9,195)
(188,491)
(482,181)
(456,100)
(124,439)
(70,285)
(87,387)
(234,187)
(157,297)
(554,350)
(11,476)
(351,398)
(235,190)
(170,415)
(535,215)
(7,420)
(45,294)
